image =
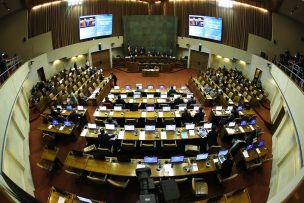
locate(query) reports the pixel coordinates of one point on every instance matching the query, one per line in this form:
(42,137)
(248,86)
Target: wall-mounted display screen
(95,26)
(205,27)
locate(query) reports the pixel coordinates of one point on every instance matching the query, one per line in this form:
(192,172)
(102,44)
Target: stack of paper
(168,170)
(142,135)
(258,150)
(163,135)
(84,132)
(251,127)
(121,134)
(245,153)
(144,114)
(241,129)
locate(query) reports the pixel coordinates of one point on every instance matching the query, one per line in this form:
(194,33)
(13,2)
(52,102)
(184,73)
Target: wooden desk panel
(76,162)
(55,129)
(50,155)
(135,114)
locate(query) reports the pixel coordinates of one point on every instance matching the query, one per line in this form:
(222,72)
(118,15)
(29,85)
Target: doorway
(257,74)
(41,74)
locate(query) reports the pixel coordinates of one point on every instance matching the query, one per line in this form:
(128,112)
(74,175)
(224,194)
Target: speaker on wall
(99,47)
(200,47)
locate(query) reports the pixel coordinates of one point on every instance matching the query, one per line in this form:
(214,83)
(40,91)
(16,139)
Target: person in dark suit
(171,91)
(178,101)
(74,117)
(191,101)
(120,101)
(107,103)
(114,78)
(186,117)
(226,167)
(105,139)
(234,115)
(55,112)
(199,116)
(212,136)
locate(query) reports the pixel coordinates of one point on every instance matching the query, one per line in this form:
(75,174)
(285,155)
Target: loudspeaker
(200,47)
(99,47)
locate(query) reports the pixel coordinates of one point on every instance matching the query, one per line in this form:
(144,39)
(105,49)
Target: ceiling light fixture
(225,3)
(74,2)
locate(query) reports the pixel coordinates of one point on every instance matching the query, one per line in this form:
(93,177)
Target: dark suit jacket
(104,140)
(186,117)
(212,138)
(226,168)
(120,101)
(199,116)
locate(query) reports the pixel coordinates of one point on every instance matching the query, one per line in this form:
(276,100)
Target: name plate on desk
(241,113)
(163,135)
(258,150)
(194,167)
(61,128)
(121,134)
(191,133)
(144,114)
(241,129)
(230,130)
(245,153)
(140,166)
(142,135)
(84,132)
(50,126)
(63,111)
(251,127)
(160,114)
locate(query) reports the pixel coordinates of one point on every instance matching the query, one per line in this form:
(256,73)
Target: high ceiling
(291,8)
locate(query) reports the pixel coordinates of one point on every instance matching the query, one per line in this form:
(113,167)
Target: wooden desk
(150,72)
(128,169)
(48,127)
(56,197)
(136,114)
(165,90)
(236,131)
(50,155)
(65,112)
(253,155)
(149,136)
(238,196)
(76,162)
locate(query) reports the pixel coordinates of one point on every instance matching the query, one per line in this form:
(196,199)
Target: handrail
(11,65)
(292,71)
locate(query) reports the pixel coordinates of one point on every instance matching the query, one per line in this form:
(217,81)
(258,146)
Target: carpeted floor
(256,181)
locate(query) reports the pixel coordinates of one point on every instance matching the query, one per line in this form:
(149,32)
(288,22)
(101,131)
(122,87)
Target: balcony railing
(294,71)
(12,65)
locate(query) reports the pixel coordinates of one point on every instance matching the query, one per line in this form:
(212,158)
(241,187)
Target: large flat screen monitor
(95,26)
(206,27)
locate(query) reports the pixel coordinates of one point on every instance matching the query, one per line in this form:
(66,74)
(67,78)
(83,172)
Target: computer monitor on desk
(117,108)
(150,108)
(92,126)
(196,108)
(182,108)
(189,126)
(231,124)
(170,127)
(150,128)
(149,87)
(253,121)
(80,108)
(163,95)
(240,108)
(116,87)
(110,126)
(189,96)
(177,159)
(249,147)
(127,87)
(208,125)
(183,87)
(55,122)
(150,96)
(229,108)
(102,108)
(69,108)
(175,96)
(261,143)
(123,96)
(67,123)
(218,108)
(111,96)
(59,107)
(243,123)
(150,160)
(161,87)
(166,108)
(129,127)
(137,96)
(201,157)
(138,86)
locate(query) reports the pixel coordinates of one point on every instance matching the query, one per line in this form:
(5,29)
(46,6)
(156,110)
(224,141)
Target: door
(199,60)
(41,74)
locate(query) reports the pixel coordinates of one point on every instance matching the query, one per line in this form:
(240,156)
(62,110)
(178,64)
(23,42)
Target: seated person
(212,136)
(171,91)
(74,117)
(107,103)
(236,146)
(226,167)
(234,115)
(186,117)
(55,112)
(104,139)
(178,101)
(191,101)
(199,116)
(101,77)
(111,121)
(119,100)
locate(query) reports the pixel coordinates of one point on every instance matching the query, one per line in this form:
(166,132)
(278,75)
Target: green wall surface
(151,32)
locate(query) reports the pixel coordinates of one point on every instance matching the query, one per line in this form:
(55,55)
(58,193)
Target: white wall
(14,130)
